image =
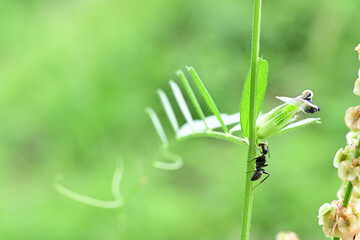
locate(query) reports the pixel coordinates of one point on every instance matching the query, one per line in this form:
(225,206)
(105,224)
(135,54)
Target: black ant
(260,164)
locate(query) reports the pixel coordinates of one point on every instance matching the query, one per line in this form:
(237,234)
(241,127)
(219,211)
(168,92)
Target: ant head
(264,147)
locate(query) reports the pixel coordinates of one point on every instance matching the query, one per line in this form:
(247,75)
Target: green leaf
(169,111)
(210,102)
(191,95)
(157,125)
(245,99)
(261,83)
(181,102)
(300,123)
(211,123)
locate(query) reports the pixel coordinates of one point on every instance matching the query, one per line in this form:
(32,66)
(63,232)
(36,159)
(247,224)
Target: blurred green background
(76,77)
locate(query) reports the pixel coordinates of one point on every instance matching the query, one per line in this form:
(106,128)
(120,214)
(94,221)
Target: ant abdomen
(256,176)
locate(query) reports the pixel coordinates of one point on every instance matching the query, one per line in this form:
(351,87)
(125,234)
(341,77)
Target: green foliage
(205,126)
(300,123)
(181,102)
(278,120)
(158,126)
(168,109)
(210,102)
(245,97)
(191,94)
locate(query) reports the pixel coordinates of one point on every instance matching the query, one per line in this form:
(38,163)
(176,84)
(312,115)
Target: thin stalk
(248,200)
(349,189)
(348,193)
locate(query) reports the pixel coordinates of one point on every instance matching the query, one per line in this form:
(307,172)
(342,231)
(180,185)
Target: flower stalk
(341,218)
(348,193)
(255,46)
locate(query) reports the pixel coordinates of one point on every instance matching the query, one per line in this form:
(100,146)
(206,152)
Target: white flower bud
(357,48)
(346,172)
(339,221)
(345,154)
(350,171)
(339,157)
(356,90)
(352,137)
(352,118)
(305,105)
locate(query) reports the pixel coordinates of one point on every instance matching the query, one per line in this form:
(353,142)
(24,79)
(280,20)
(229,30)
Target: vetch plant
(278,120)
(341,218)
(281,119)
(248,127)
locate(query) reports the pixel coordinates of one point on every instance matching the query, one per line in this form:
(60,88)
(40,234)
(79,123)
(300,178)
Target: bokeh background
(76,77)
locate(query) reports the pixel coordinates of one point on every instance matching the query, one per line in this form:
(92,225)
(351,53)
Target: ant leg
(268,175)
(252,159)
(262,156)
(259,150)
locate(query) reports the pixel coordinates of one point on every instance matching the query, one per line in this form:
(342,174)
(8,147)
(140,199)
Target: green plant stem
(248,200)
(350,187)
(348,193)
